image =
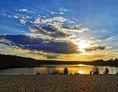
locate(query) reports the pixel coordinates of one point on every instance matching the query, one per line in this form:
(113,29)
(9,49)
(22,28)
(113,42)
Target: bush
(55,71)
(96,70)
(65,70)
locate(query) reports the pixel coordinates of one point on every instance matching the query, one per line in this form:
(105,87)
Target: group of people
(96,70)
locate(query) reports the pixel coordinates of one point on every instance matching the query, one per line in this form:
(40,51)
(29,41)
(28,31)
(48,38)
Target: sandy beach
(59,83)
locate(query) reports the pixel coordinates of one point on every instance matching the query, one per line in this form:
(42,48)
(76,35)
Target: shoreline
(3,68)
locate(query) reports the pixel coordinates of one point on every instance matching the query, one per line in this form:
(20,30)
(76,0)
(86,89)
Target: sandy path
(59,83)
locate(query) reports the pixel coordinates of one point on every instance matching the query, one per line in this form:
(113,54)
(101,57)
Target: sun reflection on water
(80,71)
(80,65)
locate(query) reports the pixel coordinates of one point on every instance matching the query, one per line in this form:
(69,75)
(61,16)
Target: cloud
(37,21)
(21,39)
(74,29)
(28,17)
(17,51)
(2,13)
(38,30)
(47,21)
(55,47)
(93,42)
(52,12)
(112,38)
(96,48)
(47,55)
(59,12)
(54,19)
(27,42)
(50,31)
(22,21)
(70,21)
(23,16)
(7,42)
(55,29)
(16,17)
(23,10)
(63,9)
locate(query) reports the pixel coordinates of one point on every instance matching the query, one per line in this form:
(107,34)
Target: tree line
(10,61)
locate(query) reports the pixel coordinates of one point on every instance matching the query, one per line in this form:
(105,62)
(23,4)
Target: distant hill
(9,61)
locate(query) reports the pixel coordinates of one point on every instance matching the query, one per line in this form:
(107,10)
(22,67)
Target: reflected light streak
(80,65)
(80,71)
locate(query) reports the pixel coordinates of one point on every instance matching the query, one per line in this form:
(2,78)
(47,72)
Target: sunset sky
(81,30)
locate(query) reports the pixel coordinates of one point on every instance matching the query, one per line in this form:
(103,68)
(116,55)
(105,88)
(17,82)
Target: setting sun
(82,45)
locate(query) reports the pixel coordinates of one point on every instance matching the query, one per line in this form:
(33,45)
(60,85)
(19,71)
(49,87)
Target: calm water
(79,68)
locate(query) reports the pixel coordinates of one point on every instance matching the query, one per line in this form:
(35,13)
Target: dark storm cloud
(74,29)
(21,39)
(96,48)
(49,31)
(56,47)
(27,42)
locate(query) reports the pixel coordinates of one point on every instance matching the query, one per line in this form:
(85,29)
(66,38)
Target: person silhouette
(91,72)
(95,70)
(106,70)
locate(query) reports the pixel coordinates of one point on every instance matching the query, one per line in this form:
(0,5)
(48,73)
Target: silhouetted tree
(55,71)
(65,70)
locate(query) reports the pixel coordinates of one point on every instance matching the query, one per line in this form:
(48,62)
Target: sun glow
(80,71)
(83,45)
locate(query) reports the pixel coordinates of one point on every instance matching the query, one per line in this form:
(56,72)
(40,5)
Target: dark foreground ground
(59,83)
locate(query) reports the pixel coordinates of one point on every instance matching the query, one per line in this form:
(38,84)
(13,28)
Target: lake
(78,68)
